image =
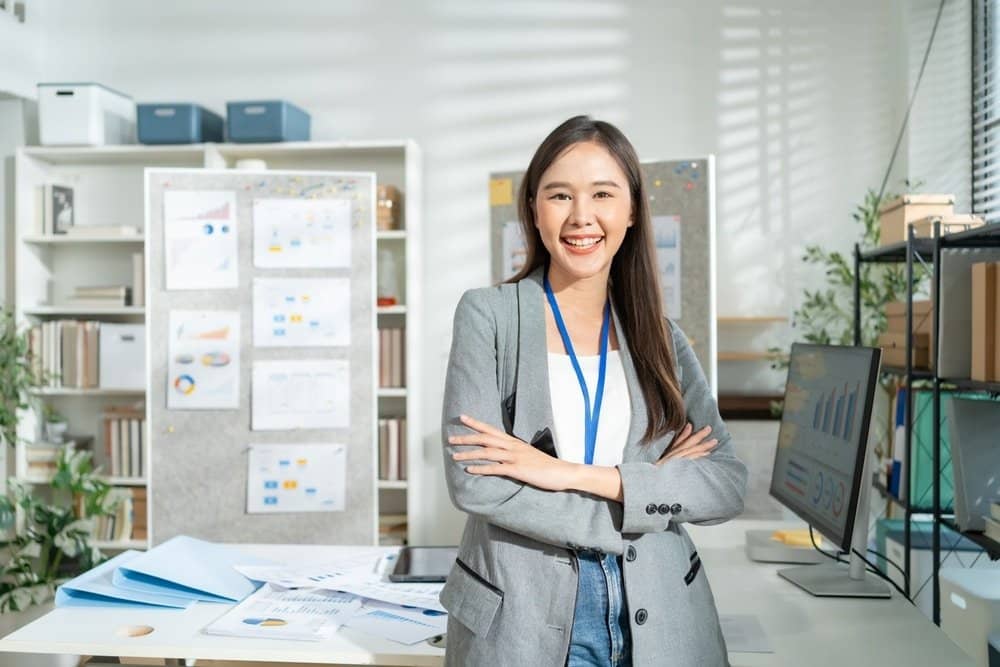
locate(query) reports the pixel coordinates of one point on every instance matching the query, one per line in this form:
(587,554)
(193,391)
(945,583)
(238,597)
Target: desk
(821,632)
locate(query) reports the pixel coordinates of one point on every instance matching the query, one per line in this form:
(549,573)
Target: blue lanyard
(591,417)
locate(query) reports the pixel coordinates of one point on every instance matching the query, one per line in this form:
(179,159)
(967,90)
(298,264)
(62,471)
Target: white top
(568,409)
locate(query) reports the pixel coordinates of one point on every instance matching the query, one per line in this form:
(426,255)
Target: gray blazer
(512,592)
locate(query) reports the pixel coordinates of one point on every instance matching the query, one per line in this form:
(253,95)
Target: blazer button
(663,509)
(651,508)
(641,616)
(630,553)
(676,508)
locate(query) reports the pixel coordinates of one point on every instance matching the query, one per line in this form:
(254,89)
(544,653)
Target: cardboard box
(896,215)
(984,315)
(894,349)
(949,224)
(923,316)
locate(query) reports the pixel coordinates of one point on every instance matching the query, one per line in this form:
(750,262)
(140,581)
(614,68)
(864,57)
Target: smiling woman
(580,435)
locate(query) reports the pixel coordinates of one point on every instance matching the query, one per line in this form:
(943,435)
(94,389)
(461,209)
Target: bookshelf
(109,190)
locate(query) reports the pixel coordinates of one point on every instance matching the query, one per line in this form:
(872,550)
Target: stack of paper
(369,603)
(174,574)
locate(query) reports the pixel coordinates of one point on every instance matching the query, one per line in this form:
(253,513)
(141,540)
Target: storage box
(84,114)
(894,349)
(970,609)
(896,215)
(984,315)
(123,356)
(949,224)
(890,539)
(266,121)
(178,124)
(973,424)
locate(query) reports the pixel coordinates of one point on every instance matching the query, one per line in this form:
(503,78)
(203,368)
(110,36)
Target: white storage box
(123,356)
(970,609)
(84,114)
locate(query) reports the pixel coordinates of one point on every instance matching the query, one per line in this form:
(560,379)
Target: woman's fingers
(693,438)
(482,439)
(482,427)
(485,454)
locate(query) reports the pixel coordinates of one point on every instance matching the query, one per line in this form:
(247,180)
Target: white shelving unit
(109,190)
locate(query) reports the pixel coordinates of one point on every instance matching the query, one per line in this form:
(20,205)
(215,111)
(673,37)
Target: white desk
(802,629)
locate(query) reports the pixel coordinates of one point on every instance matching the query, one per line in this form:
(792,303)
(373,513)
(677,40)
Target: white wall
(939,142)
(21,47)
(799,100)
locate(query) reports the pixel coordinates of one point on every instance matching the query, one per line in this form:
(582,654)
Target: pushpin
(134,630)
(170,429)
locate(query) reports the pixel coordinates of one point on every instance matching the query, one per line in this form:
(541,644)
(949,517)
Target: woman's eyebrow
(560,184)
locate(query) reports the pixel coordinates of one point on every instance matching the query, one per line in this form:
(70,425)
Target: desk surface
(800,628)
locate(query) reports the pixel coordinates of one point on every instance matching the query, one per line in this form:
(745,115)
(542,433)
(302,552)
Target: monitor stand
(840,579)
(762,549)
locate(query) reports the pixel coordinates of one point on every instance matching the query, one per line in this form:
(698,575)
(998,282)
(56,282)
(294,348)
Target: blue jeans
(600,636)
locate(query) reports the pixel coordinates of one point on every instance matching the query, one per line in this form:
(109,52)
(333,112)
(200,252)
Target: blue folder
(95,588)
(190,568)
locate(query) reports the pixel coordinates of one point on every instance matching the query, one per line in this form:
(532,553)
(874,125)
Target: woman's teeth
(581,243)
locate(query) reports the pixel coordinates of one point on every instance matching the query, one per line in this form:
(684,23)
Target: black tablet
(423,564)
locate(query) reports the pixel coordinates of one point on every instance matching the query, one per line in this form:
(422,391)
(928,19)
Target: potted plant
(50,540)
(55,425)
(16,376)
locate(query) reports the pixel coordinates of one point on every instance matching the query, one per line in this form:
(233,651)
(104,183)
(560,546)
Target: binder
(95,588)
(190,568)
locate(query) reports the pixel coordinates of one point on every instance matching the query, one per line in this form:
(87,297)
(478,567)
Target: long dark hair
(633,282)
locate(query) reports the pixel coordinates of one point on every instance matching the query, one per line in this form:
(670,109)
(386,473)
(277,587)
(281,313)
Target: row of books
(129,520)
(104,296)
(392,449)
(391,357)
(124,441)
(64,353)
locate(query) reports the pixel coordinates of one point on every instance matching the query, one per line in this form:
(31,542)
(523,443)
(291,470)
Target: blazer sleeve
(566,519)
(704,491)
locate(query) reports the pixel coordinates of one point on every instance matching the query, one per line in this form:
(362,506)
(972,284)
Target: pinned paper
(501,191)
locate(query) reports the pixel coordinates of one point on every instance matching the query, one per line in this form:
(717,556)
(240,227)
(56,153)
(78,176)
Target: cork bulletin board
(682,206)
(199,457)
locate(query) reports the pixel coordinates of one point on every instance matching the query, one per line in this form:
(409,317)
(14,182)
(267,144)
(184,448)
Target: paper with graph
(200,241)
(301,233)
(296,478)
(667,234)
(274,612)
(310,393)
(203,368)
(301,312)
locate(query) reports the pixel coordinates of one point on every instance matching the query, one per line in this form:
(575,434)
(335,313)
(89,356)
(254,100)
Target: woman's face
(583,208)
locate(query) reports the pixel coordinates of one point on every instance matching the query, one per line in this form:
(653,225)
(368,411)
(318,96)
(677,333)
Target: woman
(580,435)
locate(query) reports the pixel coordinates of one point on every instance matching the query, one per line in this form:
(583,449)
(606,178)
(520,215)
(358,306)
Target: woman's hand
(688,445)
(512,458)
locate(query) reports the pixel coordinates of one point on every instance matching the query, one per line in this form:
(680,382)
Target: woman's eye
(602,195)
(561,196)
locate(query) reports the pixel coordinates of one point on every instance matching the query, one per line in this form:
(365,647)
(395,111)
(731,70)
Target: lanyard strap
(591,416)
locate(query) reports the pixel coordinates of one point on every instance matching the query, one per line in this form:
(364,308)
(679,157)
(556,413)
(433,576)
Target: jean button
(651,508)
(630,553)
(641,616)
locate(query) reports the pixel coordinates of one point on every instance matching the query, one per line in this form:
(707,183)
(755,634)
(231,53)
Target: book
(103,230)
(992,528)
(138,279)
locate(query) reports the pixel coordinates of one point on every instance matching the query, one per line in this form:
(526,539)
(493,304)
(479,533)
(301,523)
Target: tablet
(423,564)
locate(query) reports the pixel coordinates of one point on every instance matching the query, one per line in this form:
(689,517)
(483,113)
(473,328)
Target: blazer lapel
(532,404)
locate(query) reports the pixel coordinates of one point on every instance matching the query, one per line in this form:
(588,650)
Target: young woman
(580,436)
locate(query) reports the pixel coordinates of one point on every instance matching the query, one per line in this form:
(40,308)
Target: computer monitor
(820,470)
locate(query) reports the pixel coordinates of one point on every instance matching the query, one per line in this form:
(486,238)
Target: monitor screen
(823,435)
